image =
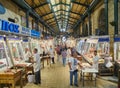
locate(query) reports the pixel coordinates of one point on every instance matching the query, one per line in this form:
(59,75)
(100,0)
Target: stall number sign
(9,26)
(35,33)
(25,31)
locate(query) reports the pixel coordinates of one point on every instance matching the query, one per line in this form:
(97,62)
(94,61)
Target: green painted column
(106,16)
(89,19)
(83,28)
(79,30)
(37,22)
(116,16)
(27,19)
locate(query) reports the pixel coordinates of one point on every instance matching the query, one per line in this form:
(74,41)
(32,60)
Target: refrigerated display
(116,55)
(5,61)
(103,46)
(34,43)
(17,53)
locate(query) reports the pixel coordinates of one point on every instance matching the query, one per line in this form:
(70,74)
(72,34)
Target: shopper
(58,52)
(68,53)
(73,50)
(52,54)
(64,55)
(73,66)
(36,60)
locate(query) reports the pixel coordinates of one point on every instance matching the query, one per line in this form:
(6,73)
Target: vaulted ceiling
(60,14)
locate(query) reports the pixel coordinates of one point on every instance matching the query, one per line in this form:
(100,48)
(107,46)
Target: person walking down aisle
(73,66)
(52,54)
(58,52)
(36,60)
(64,55)
(68,53)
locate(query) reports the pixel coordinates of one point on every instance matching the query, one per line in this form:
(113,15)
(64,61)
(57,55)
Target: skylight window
(61,8)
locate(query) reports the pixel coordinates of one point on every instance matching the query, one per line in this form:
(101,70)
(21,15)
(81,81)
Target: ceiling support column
(27,19)
(89,20)
(106,16)
(116,16)
(83,28)
(37,22)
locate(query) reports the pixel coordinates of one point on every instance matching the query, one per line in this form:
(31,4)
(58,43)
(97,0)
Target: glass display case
(25,45)
(117,49)
(5,61)
(17,54)
(103,46)
(16,50)
(34,43)
(88,48)
(116,55)
(105,62)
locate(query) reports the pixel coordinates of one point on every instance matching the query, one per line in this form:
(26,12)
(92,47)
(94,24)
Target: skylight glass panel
(67,1)
(52,2)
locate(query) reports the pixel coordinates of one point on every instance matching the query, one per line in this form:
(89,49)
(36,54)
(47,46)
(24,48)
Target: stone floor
(57,76)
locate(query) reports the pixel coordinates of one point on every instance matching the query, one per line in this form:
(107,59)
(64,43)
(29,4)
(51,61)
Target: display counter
(43,58)
(116,68)
(119,79)
(88,73)
(117,55)
(10,77)
(17,55)
(91,72)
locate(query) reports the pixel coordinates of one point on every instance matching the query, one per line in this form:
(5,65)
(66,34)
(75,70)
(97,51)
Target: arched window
(101,22)
(85,30)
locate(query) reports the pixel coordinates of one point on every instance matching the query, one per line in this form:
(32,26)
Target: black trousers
(38,77)
(53,61)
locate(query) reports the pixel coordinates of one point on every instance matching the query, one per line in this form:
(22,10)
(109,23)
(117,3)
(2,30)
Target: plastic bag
(31,78)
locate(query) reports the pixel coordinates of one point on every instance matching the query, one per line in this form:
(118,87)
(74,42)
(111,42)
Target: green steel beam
(27,18)
(82,4)
(46,14)
(89,20)
(68,11)
(40,5)
(68,15)
(53,13)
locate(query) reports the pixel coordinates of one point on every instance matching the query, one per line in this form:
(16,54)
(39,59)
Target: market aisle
(57,76)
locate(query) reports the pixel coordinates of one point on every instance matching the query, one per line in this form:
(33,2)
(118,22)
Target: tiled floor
(57,76)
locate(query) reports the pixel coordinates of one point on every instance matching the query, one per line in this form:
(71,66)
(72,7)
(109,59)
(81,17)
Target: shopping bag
(31,78)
